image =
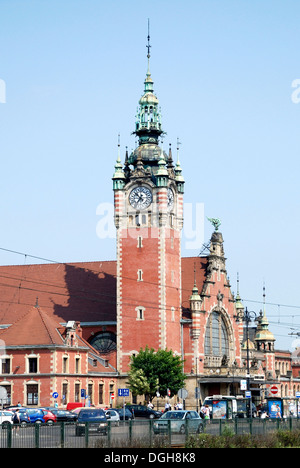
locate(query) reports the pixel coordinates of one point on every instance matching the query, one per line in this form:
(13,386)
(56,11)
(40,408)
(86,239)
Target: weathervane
(215,222)
(148,38)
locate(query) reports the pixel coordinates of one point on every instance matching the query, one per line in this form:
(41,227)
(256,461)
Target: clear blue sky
(223,72)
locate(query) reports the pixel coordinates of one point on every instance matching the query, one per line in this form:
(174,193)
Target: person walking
(17,421)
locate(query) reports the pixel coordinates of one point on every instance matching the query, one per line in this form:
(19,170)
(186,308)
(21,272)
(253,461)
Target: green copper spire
(119,176)
(148,119)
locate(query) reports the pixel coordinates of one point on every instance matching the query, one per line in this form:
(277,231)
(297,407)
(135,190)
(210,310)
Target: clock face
(170,198)
(140,198)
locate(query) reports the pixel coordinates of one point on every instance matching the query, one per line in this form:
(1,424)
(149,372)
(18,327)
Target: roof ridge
(42,313)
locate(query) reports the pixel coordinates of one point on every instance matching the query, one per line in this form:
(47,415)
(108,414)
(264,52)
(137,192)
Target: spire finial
(148,46)
(119,159)
(238,284)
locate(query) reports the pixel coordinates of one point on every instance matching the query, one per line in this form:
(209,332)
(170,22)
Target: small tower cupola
(264,338)
(119,175)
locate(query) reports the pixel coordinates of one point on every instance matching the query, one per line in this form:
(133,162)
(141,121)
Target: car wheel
(50,423)
(151,416)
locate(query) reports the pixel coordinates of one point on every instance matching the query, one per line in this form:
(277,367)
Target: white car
(113,416)
(5,417)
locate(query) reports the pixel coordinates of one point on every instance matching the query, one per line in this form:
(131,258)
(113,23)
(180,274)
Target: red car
(49,417)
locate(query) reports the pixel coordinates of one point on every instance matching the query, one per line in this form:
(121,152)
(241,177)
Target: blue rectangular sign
(123,392)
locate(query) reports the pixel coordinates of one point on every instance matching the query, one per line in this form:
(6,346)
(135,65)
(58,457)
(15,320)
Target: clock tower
(148,214)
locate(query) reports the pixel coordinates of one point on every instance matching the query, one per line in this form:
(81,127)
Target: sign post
(123,392)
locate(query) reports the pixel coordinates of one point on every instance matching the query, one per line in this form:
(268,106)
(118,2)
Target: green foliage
(278,439)
(138,383)
(155,370)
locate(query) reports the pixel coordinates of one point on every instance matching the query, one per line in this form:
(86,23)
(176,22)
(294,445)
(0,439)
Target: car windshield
(92,414)
(173,415)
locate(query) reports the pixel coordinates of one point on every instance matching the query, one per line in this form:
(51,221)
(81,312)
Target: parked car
(178,421)
(63,415)
(6,418)
(49,417)
(128,414)
(114,416)
(144,411)
(23,416)
(36,415)
(92,418)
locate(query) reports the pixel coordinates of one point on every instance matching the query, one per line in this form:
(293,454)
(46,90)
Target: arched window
(216,336)
(104,342)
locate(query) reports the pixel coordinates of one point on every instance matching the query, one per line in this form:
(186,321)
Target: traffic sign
(297,394)
(112,396)
(55,395)
(123,392)
(248,394)
(182,393)
(274,390)
(243,384)
(83,393)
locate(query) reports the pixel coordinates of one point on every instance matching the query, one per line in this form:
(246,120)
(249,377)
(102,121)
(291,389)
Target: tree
(160,369)
(138,383)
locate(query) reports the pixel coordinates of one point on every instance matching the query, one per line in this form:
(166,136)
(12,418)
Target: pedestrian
(206,412)
(17,420)
(167,406)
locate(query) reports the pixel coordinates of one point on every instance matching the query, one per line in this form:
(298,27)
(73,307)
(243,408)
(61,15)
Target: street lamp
(247,317)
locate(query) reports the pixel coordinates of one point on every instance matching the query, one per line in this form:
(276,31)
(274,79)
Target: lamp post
(247,317)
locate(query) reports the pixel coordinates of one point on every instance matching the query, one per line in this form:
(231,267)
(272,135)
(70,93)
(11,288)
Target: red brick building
(90,318)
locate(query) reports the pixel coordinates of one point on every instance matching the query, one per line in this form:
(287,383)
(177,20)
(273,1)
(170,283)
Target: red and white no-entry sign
(274,390)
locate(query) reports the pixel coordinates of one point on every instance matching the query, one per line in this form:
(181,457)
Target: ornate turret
(216,258)
(148,129)
(119,175)
(195,307)
(148,119)
(264,338)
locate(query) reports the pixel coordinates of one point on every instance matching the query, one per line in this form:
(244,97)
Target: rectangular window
(90,392)
(32,365)
(32,395)
(65,365)
(140,313)
(77,393)
(140,242)
(140,275)
(65,393)
(5,367)
(77,365)
(100,394)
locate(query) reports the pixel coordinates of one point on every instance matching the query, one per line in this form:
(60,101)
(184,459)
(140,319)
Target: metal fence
(130,434)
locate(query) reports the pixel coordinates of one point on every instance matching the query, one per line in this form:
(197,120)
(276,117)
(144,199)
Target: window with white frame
(140,313)
(140,275)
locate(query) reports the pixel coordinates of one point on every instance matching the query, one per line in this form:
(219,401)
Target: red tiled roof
(33,328)
(84,292)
